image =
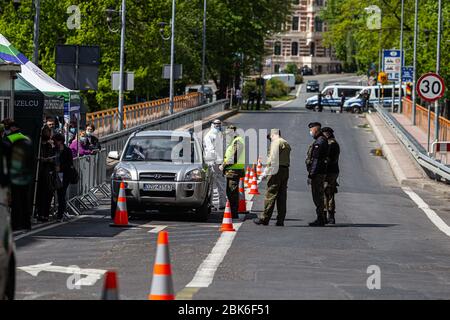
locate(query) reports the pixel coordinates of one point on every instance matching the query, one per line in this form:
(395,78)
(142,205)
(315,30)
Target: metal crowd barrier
(437,168)
(92,187)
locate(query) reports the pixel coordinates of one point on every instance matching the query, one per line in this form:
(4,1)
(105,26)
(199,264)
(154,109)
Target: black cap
(328,129)
(314,124)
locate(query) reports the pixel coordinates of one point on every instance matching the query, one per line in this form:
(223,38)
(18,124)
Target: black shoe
(259,222)
(331,219)
(317,223)
(280,224)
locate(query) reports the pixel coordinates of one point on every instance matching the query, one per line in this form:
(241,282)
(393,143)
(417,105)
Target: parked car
(376,94)
(312,86)
(306,71)
(208,91)
(331,96)
(163,170)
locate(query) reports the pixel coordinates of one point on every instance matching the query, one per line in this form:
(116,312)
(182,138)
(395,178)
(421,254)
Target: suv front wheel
(202,213)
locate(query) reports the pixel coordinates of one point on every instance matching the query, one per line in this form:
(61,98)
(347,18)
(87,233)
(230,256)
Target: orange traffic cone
(247,178)
(121,217)
(227,223)
(254,190)
(110,290)
(162,283)
(242,203)
(251,178)
(259,168)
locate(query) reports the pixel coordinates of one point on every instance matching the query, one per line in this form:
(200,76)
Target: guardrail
(422,120)
(416,149)
(106,121)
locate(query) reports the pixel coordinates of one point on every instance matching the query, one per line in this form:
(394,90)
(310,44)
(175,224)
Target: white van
(287,78)
(331,96)
(376,94)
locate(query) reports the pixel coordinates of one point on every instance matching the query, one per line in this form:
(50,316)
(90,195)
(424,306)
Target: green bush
(276,88)
(249,86)
(298,79)
(291,68)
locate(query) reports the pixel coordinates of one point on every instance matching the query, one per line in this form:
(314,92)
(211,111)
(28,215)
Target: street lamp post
(400,89)
(204,51)
(172,57)
(438,67)
(414,95)
(37,4)
(122,56)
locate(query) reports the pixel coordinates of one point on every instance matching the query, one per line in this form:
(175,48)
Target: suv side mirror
(114,155)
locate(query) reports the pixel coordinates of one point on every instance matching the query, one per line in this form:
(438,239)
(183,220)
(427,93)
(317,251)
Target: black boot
(331,219)
(320,222)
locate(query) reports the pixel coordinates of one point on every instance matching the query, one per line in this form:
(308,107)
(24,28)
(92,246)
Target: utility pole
(172,58)
(400,105)
(438,67)
(204,51)
(122,58)
(414,95)
(37,4)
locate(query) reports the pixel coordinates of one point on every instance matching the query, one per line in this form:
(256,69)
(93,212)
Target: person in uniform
(316,164)
(213,143)
(234,167)
(277,170)
(332,174)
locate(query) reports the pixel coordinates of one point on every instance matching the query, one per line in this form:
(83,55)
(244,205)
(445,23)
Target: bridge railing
(106,121)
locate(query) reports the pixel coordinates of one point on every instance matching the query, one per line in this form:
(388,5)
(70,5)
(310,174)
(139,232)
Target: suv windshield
(312,82)
(162,149)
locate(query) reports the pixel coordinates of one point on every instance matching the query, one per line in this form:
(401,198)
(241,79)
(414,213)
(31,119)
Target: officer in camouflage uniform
(278,171)
(332,174)
(316,164)
(234,168)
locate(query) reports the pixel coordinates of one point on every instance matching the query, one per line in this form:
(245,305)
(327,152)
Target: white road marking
(298,92)
(438,222)
(93,275)
(48,227)
(283,104)
(205,273)
(155,228)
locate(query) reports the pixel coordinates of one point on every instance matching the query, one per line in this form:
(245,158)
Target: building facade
(302,42)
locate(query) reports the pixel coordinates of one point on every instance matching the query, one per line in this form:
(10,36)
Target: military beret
(327,129)
(232,127)
(314,124)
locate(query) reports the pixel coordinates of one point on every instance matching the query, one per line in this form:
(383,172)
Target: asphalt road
(377,225)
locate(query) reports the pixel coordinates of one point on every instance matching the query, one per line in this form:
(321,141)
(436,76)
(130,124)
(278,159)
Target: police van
(376,94)
(331,96)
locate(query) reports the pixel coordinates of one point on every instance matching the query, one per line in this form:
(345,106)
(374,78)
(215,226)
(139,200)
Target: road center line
(431,214)
(205,273)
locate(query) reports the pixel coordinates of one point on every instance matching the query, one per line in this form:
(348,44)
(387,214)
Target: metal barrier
(441,151)
(106,121)
(416,149)
(422,120)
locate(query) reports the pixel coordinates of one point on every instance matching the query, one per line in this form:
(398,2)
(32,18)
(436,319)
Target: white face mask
(311,133)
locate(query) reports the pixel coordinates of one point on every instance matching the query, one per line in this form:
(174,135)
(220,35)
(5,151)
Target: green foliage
(276,88)
(291,68)
(298,79)
(236,31)
(249,86)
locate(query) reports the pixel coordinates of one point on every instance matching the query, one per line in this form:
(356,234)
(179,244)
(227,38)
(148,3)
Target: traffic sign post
(407,74)
(431,88)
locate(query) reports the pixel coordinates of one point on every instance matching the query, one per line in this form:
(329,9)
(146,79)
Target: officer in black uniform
(331,183)
(316,164)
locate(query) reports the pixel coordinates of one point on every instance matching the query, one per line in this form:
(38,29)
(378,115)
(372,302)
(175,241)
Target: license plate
(158,187)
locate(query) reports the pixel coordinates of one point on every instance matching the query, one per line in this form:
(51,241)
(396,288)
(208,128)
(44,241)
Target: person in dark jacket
(316,164)
(64,165)
(331,183)
(92,141)
(319,102)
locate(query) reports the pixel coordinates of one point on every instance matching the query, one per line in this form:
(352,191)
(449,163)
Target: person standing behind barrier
(234,168)
(80,147)
(332,174)
(46,177)
(213,143)
(316,165)
(64,166)
(342,102)
(278,171)
(92,141)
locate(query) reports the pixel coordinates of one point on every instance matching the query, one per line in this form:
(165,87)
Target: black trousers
(21,207)
(62,204)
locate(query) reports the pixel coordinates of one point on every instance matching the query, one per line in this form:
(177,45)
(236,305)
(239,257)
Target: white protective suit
(213,144)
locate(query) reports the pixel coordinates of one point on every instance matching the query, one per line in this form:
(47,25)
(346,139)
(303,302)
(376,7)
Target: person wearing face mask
(213,144)
(92,141)
(80,147)
(316,164)
(72,131)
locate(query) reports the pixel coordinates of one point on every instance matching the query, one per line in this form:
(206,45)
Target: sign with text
(431,87)
(392,63)
(407,74)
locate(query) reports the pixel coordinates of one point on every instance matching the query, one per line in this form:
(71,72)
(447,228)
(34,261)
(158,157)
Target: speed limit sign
(431,87)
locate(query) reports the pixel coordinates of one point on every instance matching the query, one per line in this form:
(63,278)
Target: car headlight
(195,175)
(122,174)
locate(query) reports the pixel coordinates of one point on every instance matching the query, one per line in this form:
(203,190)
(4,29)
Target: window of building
(277,68)
(295,22)
(312,49)
(308,24)
(277,48)
(294,49)
(319,3)
(318,24)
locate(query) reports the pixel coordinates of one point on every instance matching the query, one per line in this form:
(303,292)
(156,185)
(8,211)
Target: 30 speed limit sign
(431,87)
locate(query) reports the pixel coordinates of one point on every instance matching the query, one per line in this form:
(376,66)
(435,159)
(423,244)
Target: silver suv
(163,170)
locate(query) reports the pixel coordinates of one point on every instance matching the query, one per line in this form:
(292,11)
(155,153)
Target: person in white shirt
(213,143)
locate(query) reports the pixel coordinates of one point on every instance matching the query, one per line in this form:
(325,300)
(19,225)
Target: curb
(424,182)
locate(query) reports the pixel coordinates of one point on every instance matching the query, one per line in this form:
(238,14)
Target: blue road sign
(392,64)
(408,74)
